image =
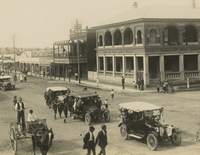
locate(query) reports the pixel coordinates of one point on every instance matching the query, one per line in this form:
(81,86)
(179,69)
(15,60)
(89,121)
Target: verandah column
(123,65)
(113,65)
(181,66)
(104,65)
(199,64)
(146,70)
(135,68)
(162,68)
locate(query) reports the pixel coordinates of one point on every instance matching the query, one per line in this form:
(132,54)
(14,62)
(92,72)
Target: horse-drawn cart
(37,131)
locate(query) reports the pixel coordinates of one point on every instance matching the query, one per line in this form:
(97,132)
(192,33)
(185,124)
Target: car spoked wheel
(88,118)
(176,138)
(123,131)
(152,141)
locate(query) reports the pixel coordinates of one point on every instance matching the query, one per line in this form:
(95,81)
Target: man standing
(123,82)
(89,141)
(101,140)
(19,107)
(66,107)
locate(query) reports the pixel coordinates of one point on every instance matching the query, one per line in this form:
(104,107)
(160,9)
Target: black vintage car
(143,120)
(6,83)
(89,107)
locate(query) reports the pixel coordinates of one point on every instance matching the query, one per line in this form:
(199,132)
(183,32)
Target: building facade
(79,50)
(149,49)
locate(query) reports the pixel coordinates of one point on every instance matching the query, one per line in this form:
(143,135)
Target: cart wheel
(123,131)
(88,118)
(13,140)
(152,141)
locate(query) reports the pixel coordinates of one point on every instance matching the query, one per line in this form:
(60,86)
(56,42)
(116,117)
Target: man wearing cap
(89,141)
(19,107)
(101,140)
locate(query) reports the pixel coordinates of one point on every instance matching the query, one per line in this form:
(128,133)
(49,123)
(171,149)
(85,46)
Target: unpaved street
(181,109)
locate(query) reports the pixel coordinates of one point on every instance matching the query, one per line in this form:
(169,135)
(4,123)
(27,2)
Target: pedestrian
(106,103)
(14,100)
(55,107)
(76,76)
(102,140)
(21,77)
(20,108)
(25,78)
(123,82)
(66,107)
(60,108)
(15,78)
(142,84)
(112,94)
(158,88)
(89,141)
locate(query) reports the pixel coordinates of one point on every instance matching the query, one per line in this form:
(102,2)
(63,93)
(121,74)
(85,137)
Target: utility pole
(77,31)
(14,54)
(193,4)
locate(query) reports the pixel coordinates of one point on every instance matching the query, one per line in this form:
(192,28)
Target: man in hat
(89,141)
(101,140)
(19,107)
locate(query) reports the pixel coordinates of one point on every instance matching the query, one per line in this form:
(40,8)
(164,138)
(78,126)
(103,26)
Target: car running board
(135,136)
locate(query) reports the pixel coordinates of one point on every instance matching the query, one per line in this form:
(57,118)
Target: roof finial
(135,4)
(193,4)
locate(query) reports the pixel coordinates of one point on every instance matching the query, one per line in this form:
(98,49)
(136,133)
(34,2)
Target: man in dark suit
(89,141)
(101,140)
(19,107)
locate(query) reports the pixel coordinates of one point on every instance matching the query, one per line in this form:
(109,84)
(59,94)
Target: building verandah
(150,68)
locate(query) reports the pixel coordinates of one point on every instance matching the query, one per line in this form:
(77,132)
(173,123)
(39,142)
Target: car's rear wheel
(176,138)
(152,141)
(123,131)
(88,118)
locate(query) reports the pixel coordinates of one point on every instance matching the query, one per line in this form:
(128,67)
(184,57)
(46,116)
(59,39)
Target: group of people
(163,87)
(19,107)
(140,84)
(90,142)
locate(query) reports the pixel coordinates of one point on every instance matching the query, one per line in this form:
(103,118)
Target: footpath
(102,86)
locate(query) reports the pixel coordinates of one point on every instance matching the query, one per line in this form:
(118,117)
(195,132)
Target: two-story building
(78,50)
(151,49)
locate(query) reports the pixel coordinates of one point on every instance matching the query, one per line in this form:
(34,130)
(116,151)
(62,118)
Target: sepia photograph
(99,77)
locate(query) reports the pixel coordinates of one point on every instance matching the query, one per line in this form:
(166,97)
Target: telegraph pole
(77,31)
(14,54)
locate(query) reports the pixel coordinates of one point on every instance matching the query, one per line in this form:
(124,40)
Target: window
(117,37)
(139,37)
(100,40)
(128,36)
(108,38)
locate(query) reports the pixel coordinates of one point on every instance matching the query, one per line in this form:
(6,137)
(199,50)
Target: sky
(38,23)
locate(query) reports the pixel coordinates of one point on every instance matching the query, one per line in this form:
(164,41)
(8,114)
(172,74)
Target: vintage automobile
(56,91)
(6,83)
(143,121)
(89,107)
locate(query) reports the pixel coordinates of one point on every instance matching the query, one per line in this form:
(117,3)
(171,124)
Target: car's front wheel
(88,118)
(176,138)
(123,131)
(152,141)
